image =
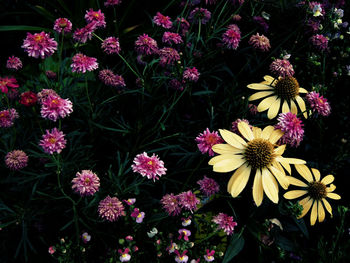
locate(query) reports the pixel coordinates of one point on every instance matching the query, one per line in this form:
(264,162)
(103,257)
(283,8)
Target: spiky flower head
(260,42)
(7,83)
(231,37)
(208,186)
(199,15)
(112,2)
(62,24)
(14,63)
(150,166)
(96,17)
(83,34)
(170,203)
(53,141)
(7,117)
(145,45)
(206,140)
(320,42)
(191,74)
(225,222)
(16,160)
(168,56)
(318,103)
(111,45)
(86,183)
(82,63)
(39,45)
(28,98)
(171,38)
(111,209)
(188,200)
(292,127)
(162,20)
(282,68)
(54,107)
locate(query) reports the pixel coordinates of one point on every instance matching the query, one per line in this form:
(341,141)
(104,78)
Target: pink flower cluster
(86,183)
(168,56)
(162,20)
(171,38)
(231,37)
(82,63)
(225,223)
(16,160)
(111,209)
(54,107)
(145,45)
(150,166)
(83,34)
(62,25)
(206,140)
(7,83)
(318,103)
(173,204)
(14,63)
(320,42)
(28,98)
(208,186)
(110,79)
(199,15)
(39,45)
(7,117)
(292,127)
(191,74)
(96,17)
(111,45)
(260,42)
(139,216)
(112,2)
(53,141)
(282,68)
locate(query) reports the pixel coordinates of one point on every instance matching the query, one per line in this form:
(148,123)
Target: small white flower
(152,233)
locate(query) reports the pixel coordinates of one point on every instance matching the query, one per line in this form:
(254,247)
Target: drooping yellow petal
(293,107)
(313,215)
(304,171)
(294,160)
(281,178)
(259,86)
(316,174)
(327,179)
(266,103)
(228,165)
(233,139)
(302,90)
(333,196)
(245,130)
(331,188)
(285,107)
(327,206)
(321,212)
(285,164)
(274,108)
(269,79)
(239,180)
(280,149)
(297,182)
(294,194)
(259,95)
(257,132)
(275,136)
(302,106)
(270,185)
(306,204)
(223,148)
(258,190)
(267,132)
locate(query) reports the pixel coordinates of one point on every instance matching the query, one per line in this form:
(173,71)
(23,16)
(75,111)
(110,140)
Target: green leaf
(23,28)
(236,245)
(302,226)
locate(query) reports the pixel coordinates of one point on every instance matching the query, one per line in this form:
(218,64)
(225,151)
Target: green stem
(60,59)
(87,94)
(128,65)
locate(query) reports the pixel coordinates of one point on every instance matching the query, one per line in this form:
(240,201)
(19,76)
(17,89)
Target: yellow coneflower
(283,91)
(316,190)
(255,152)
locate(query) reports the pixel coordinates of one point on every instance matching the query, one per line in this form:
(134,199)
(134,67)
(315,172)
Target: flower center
(38,38)
(259,153)
(317,190)
(287,88)
(211,139)
(52,140)
(87,180)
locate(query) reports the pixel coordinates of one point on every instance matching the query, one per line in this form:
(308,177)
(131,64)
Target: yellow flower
(316,190)
(255,152)
(276,92)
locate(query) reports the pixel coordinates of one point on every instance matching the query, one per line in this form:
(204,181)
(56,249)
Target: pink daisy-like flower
(231,37)
(199,15)
(86,183)
(110,79)
(44,94)
(320,42)
(96,17)
(54,107)
(28,98)
(62,24)
(171,38)
(39,45)
(184,233)
(191,74)
(16,160)
(152,167)
(14,63)
(162,20)
(318,103)
(209,257)
(282,68)
(181,258)
(139,216)
(112,2)
(208,186)
(130,201)
(184,25)
(111,45)
(292,127)
(145,45)
(260,42)
(53,141)
(170,203)
(7,83)
(206,140)
(168,56)
(111,209)
(82,63)
(83,34)
(124,255)
(7,117)
(234,125)
(225,223)
(85,237)
(119,81)
(188,201)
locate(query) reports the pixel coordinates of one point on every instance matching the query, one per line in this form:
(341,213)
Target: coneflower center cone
(287,88)
(317,190)
(259,153)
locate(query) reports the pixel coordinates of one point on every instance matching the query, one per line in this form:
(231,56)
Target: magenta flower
(320,42)
(110,79)
(225,223)
(52,250)
(168,56)
(209,257)
(28,98)
(96,17)
(139,216)
(260,42)
(162,20)
(181,258)
(208,186)
(171,248)
(111,209)
(185,233)
(191,74)
(82,63)
(152,167)
(53,141)
(62,24)
(318,103)
(86,183)
(145,45)
(44,94)
(231,37)
(16,160)
(39,45)
(186,221)
(50,74)
(83,34)
(14,63)
(7,117)
(54,107)
(206,140)
(188,201)
(282,68)
(124,255)
(7,83)
(313,26)
(184,25)
(199,15)
(111,45)
(85,237)
(170,203)
(130,201)
(171,38)
(253,109)
(112,2)
(175,84)
(292,127)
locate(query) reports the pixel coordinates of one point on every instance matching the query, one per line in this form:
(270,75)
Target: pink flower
(225,223)
(292,127)
(186,221)
(110,79)
(7,83)
(171,248)
(188,201)
(96,17)
(62,24)
(168,56)
(129,238)
(320,42)
(138,215)
(181,258)
(28,98)
(39,44)
(111,45)
(191,74)
(85,237)
(199,15)
(82,63)
(53,141)
(16,160)
(52,250)
(260,42)
(318,103)
(86,183)
(261,22)
(162,20)
(146,45)
(54,107)
(130,201)
(152,167)
(208,186)
(175,84)
(112,2)
(7,117)
(170,203)
(206,140)
(185,233)
(184,25)
(83,34)
(50,74)
(124,255)
(231,37)
(282,68)
(111,208)
(171,38)
(253,109)
(209,257)
(44,94)
(14,63)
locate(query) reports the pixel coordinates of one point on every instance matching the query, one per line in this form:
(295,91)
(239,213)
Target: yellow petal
(297,182)
(294,161)
(270,185)
(285,164)
(221,157)
(327,179)
(278,166)
(239,180)
(293,107)
(233,139)
(301,104)
(302,90)
(245,130)
(321,213)
(313,215)
(266,103)
(275,136)
(333,196)
(285,107)
(259,95)
(274,108)
(279,150)
(258,190)
(266,133)
(327,206)
(223,148)
(228,165)
(259,86)
(269,79)
(257,132)
(281,178)
(294,194)
(304,171)
(331,188)
(316,173)
(306,204)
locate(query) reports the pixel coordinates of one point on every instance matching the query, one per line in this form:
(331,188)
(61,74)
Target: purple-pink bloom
(209,257)
(320,42)
(124,255)
(145,45)
(86,183)
(150,166)
(171,38)
(185,233)
(16,160)
(162,20)
(208,186)
(7,117)
(82,63)
(225,223)
(260,42)
(313,26)
(7,83)
(170,203)
(130,201)
(231,37)
(110,79)
(188,200)
(96,17)
(85,237)
(191,74)
(39,45)
(292,127)
(282,68)
(206,140)
(199,15)
(184,25)
(112,2)
(139,216)
(111,209)
(14,63)
(261,22)
(28,98)
(54,107)
(181,258)
(83,34)
(318,103)
(44,94)
(62,24)
(168,56)
(175,84)
(111,45)
(53,141)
